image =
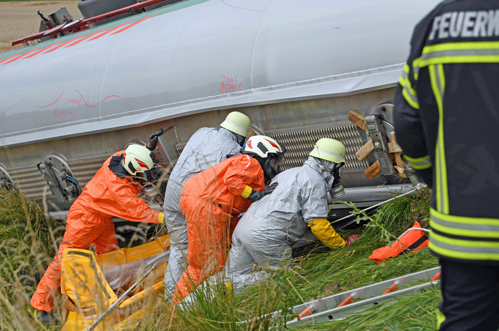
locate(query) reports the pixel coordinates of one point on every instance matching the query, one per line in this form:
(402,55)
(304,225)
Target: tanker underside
(298,125)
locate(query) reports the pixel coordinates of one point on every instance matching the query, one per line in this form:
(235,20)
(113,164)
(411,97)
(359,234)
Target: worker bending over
(268,230)
(212,201)
(112,192)
(206,148)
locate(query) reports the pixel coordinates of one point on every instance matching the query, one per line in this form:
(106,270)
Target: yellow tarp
(127,255)
(83,281)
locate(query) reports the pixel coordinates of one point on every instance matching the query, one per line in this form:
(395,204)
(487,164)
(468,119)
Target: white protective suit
(267,231)
(206,148)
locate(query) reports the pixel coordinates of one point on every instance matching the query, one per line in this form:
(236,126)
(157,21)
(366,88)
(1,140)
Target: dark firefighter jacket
(447,123)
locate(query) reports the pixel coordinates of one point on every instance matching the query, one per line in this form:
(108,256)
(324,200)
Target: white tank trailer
(295,67)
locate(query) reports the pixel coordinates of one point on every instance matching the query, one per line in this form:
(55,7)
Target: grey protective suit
(267,231)
(206,148)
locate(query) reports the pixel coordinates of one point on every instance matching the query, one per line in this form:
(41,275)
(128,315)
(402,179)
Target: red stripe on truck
(128,27)
(106,32)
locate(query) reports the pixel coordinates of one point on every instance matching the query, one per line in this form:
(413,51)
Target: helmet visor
(275,162)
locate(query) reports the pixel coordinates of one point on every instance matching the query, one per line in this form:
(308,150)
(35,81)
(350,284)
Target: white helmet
(138,159)
(237,122)
(268,151)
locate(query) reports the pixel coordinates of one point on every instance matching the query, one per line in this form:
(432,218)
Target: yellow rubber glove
(228,286)
(324,231)
(161,217)
(246,192)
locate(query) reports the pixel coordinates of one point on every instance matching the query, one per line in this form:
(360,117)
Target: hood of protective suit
(229,135)
(317,165)
(205,148)
(108,195)
(116,166)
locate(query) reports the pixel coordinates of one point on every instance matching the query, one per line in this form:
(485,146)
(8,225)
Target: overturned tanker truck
(82,89)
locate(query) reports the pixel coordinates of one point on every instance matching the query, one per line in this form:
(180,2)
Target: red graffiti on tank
(78,100)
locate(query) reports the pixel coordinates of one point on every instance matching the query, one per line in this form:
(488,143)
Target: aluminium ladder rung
(365,291)
(339,313)
(322,310)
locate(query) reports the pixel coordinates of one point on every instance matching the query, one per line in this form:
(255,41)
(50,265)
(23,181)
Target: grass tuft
(27,245)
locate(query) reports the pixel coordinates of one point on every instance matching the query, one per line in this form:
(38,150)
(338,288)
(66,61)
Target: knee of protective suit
(47,288)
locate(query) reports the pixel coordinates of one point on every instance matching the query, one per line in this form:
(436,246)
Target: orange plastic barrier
(412,241)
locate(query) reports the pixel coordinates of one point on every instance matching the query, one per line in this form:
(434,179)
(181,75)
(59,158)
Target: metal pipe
(120,299)
(376,205)
(371,194)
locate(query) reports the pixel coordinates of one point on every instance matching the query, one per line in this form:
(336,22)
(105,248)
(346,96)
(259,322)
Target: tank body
(296,68)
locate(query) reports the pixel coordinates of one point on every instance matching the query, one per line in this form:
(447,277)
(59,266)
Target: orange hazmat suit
(90,222)
(211,202)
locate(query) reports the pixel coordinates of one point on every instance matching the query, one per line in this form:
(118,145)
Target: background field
(19,18)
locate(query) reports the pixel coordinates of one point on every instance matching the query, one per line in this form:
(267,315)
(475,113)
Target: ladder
(339,306)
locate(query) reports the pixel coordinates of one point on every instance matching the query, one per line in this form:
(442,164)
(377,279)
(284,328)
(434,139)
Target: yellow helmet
(330,150)
(237,122)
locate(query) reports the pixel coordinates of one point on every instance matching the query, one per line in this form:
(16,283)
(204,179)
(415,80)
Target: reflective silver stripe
(416,71)
(460,52)
(409,93)
(439,84)
(237,126)
(405,75)
(440,182)
(464,226)
(405,78)
(464,249)
(438,80)
(440,151)
(420,163)
(329,153)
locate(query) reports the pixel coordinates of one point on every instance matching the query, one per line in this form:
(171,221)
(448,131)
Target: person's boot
(43,316)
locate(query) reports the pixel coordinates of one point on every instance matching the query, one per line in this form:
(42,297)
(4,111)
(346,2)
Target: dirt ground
(20,19)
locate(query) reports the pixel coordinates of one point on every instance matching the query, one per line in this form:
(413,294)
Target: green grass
(27,243)
(315,272)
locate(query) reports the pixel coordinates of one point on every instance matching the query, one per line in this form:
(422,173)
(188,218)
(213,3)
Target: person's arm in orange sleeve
(242,170)
(129,206)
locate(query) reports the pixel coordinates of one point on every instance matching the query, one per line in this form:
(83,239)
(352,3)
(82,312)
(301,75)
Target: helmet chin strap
(333,177)
(325,166)
(124,168)
(240,139)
